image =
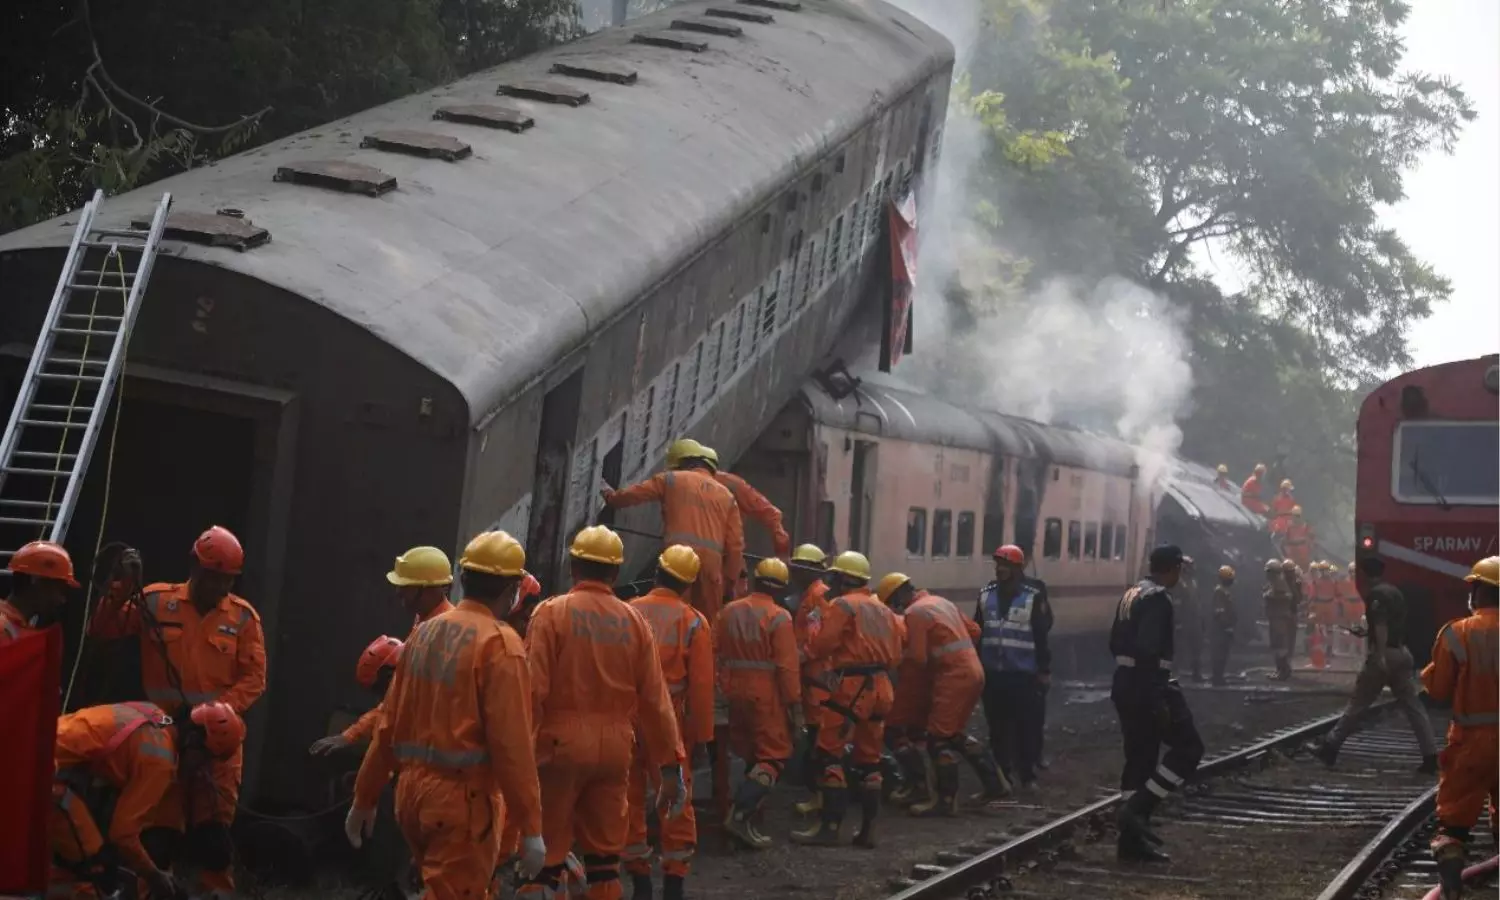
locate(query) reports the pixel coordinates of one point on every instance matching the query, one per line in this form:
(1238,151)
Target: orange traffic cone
(1315,651)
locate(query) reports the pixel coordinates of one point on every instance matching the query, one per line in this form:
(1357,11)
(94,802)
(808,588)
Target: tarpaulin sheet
(30,670)
(897,339)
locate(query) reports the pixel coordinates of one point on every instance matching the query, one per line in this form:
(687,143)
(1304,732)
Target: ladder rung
(55,376)
(105,273)
(42,454)
(120,232)
(8,520)
(45,473)
(94,317)
(31,504)
(58,407)
(78,286)
(75,361)
(43,423)
(90,332)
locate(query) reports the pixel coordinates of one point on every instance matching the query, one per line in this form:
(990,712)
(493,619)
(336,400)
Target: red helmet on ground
(44,559)
(530,587)
(223,728)
(218,550)
(384,651)
(1010,553)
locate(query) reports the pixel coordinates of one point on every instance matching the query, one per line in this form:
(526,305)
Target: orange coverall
(1297,544)
(119,744)
(364,727)
(698,511)
(756,644)
(595,678)
(754,505)
(684,644)
(861,640)
(12,623)
(1324,604)
(805,625)
(457,726)
(1464,670)
(940,645)
(217,656)
(1281,513)
(1250,495)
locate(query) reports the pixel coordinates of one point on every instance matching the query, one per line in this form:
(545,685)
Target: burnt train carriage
(656,228)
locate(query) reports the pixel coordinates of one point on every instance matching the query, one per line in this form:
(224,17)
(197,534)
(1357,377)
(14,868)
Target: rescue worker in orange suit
(1281,616)
(684,645)
(1015,619)
(1250,491)
(1463,672)
(1297,540)
(528,596)
(1222,619)
(200,643)
(456,725)
(752,503)
(1221,479)
(40,574)
(422,577)
(756,644)
(809,590)
(700,512)
(1323,601)
(941,661)
(1150,704)
(1351,608)
(597,683)
(1281,508)
(861,641)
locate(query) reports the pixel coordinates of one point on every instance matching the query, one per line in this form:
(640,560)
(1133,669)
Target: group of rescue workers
(544,732)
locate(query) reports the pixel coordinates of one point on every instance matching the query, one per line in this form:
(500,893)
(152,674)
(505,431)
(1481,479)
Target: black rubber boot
(869,809)
(945,773)
(1134,817)
(747,801)
(914,786)
(671,887)
(641,887)
(835,801)
(1133,848)
(894,776)
(994,783)
(1327,753)
(1450,865)
(1429,765)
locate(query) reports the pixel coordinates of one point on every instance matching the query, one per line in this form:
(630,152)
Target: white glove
(358,825)
(533,855)
(673,792)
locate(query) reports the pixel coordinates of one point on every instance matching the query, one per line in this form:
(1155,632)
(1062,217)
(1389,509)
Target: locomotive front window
(1447,463)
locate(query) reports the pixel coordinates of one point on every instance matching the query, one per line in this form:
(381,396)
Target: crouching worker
(457,730)
(757,652)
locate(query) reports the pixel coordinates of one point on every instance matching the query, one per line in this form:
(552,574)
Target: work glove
(533,856)
(163,886)
(673,794)
(329,745)
(358,825)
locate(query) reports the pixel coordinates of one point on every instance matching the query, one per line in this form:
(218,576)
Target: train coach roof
(488,268)
(1192,487)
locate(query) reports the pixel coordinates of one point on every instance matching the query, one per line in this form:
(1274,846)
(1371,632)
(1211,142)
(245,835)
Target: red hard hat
(383,651)
(223,727)
(44,559)
(530,587)
(1012,554)
(218,550)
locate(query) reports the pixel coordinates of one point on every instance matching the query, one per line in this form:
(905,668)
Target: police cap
(1165,557)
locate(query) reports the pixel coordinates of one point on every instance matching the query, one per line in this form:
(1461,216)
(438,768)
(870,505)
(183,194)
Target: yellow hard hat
(853,564)
(1296,510)
(599,544)
(1223,469)
(494,553)
(1260,468)
(1226,572)
(1273,565)
(708,455)
(421,567)
(811,554)
(681,449)
(1286,484)
(889,584)
(1352,567)
(1290,565)
(1486,570)
(771,569)
(681,562)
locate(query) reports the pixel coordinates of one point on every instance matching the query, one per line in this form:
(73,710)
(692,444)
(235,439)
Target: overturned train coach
(461,311)
(931,489)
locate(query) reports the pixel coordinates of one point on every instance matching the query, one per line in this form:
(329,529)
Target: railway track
(1264,822)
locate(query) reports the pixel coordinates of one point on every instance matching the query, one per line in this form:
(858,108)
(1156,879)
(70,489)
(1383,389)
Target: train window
(770,294)
(994,530)
(750,329)
(711,361)
(965,541)
(805,281)
(942,532)
(825,525)
(835,242)
(1091,540)
(648,408)
(856,230)
(916,531)
(667,399)
(1075,535)
(1052,540)
(730,354)
(691,382)
(1119,542)
(1106,541)
(873,209)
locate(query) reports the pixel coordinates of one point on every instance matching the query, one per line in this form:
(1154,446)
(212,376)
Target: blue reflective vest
(1006,643)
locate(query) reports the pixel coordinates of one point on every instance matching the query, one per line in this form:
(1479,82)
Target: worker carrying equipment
(684,646)
(752,503)
(199,643)
(596,676)
(1250,492)
(1463,672)
(457,727)
(697,511)
(756,645)
(1015,620)
(861,641)
(41,573)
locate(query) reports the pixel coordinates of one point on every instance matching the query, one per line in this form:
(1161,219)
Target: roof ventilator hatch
(669,40)
(597,71)
(545,91)
(783,5)
(228,228)
(506,118)
(708,26)
(743,15)
(338,175)
(418,143)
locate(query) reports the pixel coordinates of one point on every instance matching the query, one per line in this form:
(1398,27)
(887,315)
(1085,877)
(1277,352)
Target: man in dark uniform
(1188,641)
(1281,618)
(1150,705)
(1224,618)
(1014,620)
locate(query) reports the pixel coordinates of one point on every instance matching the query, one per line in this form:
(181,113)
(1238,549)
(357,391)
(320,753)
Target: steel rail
(1352,878)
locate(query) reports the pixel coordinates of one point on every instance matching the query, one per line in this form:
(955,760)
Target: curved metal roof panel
(1192,486)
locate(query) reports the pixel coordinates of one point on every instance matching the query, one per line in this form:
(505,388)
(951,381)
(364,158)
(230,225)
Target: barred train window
(1075,535)
(942,532)
(965,540)
(1052,539)
(1091,540)
(916,531)
(1106,540)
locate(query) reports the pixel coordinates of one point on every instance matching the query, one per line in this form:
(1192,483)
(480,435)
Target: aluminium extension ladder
(64,399)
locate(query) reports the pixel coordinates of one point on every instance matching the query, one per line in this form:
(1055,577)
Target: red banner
(30,670)
(896,341)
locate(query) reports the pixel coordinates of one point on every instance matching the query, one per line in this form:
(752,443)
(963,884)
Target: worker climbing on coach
(1221,479)
(1251,490)
(684,644)
(940,658)
(756,644)
(40,574)
(596,678)
(1281,508)
(752,503)
(809,585)
(1150,705)
(200,643)
(1222,619)
(698,511)
(457,727)
(1015,619)
(861,640)
(1463,673)
(1281,617)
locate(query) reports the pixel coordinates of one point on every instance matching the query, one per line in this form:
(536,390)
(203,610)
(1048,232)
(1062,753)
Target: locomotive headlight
(1367,538)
